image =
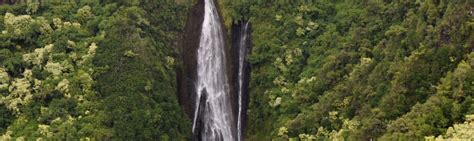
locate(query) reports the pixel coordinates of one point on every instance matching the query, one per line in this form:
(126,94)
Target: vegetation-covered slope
(375,69)
(359,70)
(90,69)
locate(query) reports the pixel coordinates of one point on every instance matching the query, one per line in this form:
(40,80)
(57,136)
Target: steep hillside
(326,70)
(91,69)
(358,70)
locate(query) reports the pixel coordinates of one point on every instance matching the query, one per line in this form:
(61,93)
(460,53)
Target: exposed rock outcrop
(200,117)
(187,71)
(240,31)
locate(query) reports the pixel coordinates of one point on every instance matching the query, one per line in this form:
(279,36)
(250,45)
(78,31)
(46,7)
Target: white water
(242,54)
(217,116)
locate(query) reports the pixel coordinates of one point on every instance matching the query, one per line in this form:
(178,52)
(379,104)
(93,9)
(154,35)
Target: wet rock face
(200,117)
(238,33)
(187,72)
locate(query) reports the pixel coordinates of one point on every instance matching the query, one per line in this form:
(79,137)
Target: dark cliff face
(200,117)
(237,34)
(187,72)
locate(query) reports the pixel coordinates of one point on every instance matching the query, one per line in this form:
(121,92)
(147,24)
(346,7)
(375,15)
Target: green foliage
(440,110)
(63,73)
(55,79)
(138,88)
(367,70)
(337,70)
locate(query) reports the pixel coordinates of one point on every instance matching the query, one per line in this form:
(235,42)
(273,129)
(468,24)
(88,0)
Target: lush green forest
(327,70)
(69,70)
(360,70)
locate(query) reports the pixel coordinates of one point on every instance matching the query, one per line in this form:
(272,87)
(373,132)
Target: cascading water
(216,118)
(241,77)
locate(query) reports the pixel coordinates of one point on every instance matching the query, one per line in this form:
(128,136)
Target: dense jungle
(252,70)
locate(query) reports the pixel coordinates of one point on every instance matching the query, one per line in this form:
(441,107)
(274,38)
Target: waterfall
(216,117)
(241,77)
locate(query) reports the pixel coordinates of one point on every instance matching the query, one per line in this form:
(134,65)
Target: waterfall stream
(241,77)
(216,117)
